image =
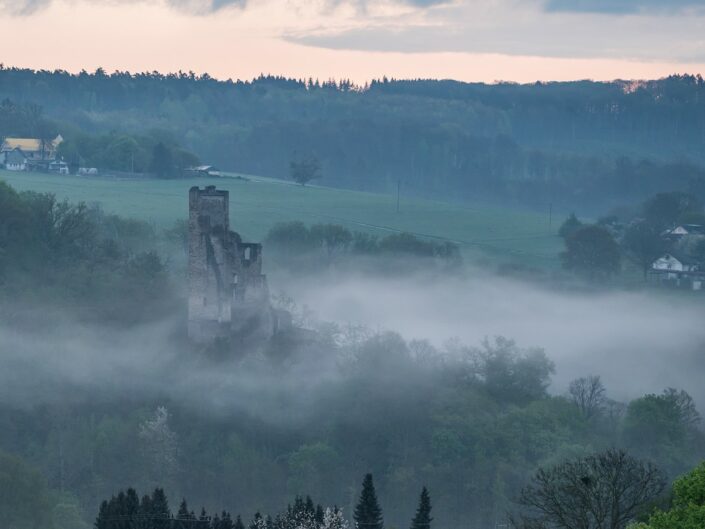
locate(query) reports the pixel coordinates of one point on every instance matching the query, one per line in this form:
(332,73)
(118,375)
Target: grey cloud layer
(622,6)
(517,28)
(196,7)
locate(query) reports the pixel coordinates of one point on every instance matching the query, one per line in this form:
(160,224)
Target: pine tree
(423,519)
(368,513)
(132,503)
(183,516)
(257,522)
(160,513)
(204,518)
(226,521)
(309,507)
(319,514)
(102,520)
(145,512)
(238,523)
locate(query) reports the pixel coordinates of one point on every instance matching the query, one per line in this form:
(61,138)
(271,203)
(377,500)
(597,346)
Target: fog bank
(638,342)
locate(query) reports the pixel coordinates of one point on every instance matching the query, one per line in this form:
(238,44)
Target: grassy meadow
(257,203)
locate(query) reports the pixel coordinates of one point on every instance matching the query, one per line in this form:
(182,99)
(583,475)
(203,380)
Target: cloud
(621,6)
(523,28)
(205,7)
(195,7)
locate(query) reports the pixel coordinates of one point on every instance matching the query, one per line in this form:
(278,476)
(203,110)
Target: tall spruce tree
(183,517)
(423,519)
(368,513)
(160,513)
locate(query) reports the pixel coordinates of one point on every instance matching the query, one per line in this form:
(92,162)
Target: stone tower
(228,294)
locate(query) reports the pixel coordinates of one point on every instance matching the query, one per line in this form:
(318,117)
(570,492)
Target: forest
(102,393)
(574,144)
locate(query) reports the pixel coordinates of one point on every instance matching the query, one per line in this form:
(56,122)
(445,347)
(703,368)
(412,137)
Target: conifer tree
(257,522)
(238,523)
(309,508)
(204,518)
(102,520)
(226,521)
(183,516)
(423,519)
(132,504)
(159,510)
(368,513)
(320,513)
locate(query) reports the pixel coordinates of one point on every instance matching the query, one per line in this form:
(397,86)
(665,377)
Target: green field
(257,203)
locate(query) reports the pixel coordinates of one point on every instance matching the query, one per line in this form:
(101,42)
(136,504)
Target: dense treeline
(157,153)
(126,511)
(76,256)
(578,143)
(300,248)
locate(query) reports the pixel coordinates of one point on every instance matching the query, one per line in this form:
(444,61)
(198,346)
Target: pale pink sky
(513,40)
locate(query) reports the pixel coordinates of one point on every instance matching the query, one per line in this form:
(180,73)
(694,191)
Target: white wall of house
(668,262)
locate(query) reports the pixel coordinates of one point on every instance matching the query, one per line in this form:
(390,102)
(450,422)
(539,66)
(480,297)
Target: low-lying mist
(638,342)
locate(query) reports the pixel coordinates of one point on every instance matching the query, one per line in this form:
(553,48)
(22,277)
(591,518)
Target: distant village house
(683,230)
(14,160)
(679,271)
(33,148)
(203,170)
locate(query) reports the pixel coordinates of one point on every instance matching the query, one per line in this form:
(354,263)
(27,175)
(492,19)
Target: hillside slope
(258,203)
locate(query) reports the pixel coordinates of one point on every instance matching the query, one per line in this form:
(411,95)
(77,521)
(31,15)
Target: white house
(682,230)
(59,167)
(15,160)
(678,270)
(204,170)
(33,148)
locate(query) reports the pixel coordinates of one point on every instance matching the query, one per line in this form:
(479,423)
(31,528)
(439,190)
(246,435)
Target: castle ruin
(228,293)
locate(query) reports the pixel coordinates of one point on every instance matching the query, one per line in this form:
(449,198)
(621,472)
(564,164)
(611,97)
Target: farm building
(204,170)
(14,160)
(33,148)
(59,167)
(683,230)
(678,270)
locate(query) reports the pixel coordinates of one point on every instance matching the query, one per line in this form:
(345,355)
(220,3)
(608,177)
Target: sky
(469,40)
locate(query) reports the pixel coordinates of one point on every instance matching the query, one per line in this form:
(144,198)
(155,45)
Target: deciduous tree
(601,491)
(591,251)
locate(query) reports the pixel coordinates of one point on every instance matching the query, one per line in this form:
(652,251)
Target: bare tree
(601,491)
(588,394)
